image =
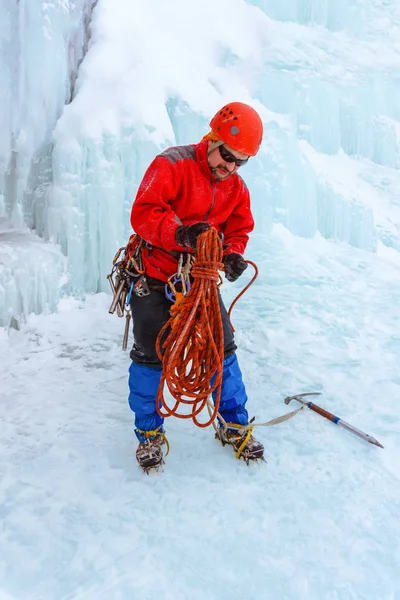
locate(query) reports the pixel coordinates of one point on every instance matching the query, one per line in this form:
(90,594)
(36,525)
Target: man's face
(222,167)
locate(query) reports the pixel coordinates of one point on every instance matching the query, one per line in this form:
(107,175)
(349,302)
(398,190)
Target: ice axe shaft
(327,415)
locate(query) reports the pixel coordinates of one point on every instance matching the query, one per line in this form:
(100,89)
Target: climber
(185,190)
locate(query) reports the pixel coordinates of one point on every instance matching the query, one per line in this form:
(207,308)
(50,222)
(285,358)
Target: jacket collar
(202,159)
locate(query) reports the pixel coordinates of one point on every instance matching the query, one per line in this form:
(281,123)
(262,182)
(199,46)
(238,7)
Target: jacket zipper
(212,201)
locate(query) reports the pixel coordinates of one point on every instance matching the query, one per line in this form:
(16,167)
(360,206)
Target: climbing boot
(252,448)
(149,453)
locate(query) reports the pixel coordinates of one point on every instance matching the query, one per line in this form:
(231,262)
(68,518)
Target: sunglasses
(230,158)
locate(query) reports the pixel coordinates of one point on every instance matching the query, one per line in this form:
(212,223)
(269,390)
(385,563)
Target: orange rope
(249,262)
(191,343)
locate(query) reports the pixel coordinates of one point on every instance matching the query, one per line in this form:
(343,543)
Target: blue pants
(143,386)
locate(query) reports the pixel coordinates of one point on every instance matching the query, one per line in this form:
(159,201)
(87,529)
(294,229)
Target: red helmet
(239,126)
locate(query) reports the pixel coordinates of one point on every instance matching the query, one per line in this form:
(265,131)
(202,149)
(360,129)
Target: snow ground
(319,521)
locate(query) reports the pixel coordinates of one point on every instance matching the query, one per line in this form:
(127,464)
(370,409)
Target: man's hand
(234,266)
(187,235)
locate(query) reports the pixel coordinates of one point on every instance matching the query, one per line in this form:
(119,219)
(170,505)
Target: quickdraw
(127,267)
(181,278)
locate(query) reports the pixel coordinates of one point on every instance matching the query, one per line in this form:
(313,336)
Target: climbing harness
(128,277)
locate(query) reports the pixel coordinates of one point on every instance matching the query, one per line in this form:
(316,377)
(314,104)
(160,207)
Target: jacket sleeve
(152,216)
(239,224)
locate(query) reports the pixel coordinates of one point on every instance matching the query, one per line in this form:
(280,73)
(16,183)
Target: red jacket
(179,188)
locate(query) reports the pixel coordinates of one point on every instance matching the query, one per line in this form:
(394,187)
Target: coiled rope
(191,343)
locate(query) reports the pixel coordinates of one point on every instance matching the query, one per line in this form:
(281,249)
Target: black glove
(234,266)
(187,235)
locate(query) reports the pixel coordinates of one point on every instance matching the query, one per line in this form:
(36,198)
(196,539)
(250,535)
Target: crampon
(243,443)
(149,454)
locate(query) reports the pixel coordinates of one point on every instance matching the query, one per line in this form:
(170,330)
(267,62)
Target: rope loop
(207,270)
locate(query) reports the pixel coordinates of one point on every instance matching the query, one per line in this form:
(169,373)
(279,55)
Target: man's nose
(230,166)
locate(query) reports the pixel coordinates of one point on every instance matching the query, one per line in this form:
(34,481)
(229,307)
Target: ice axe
(327,415)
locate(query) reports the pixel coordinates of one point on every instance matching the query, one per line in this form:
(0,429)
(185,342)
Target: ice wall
(340,92)
(324,76)
(31,276)
(42,44)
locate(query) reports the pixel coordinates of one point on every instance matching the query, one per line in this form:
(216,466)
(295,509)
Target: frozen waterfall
(41,47)
(324,76)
